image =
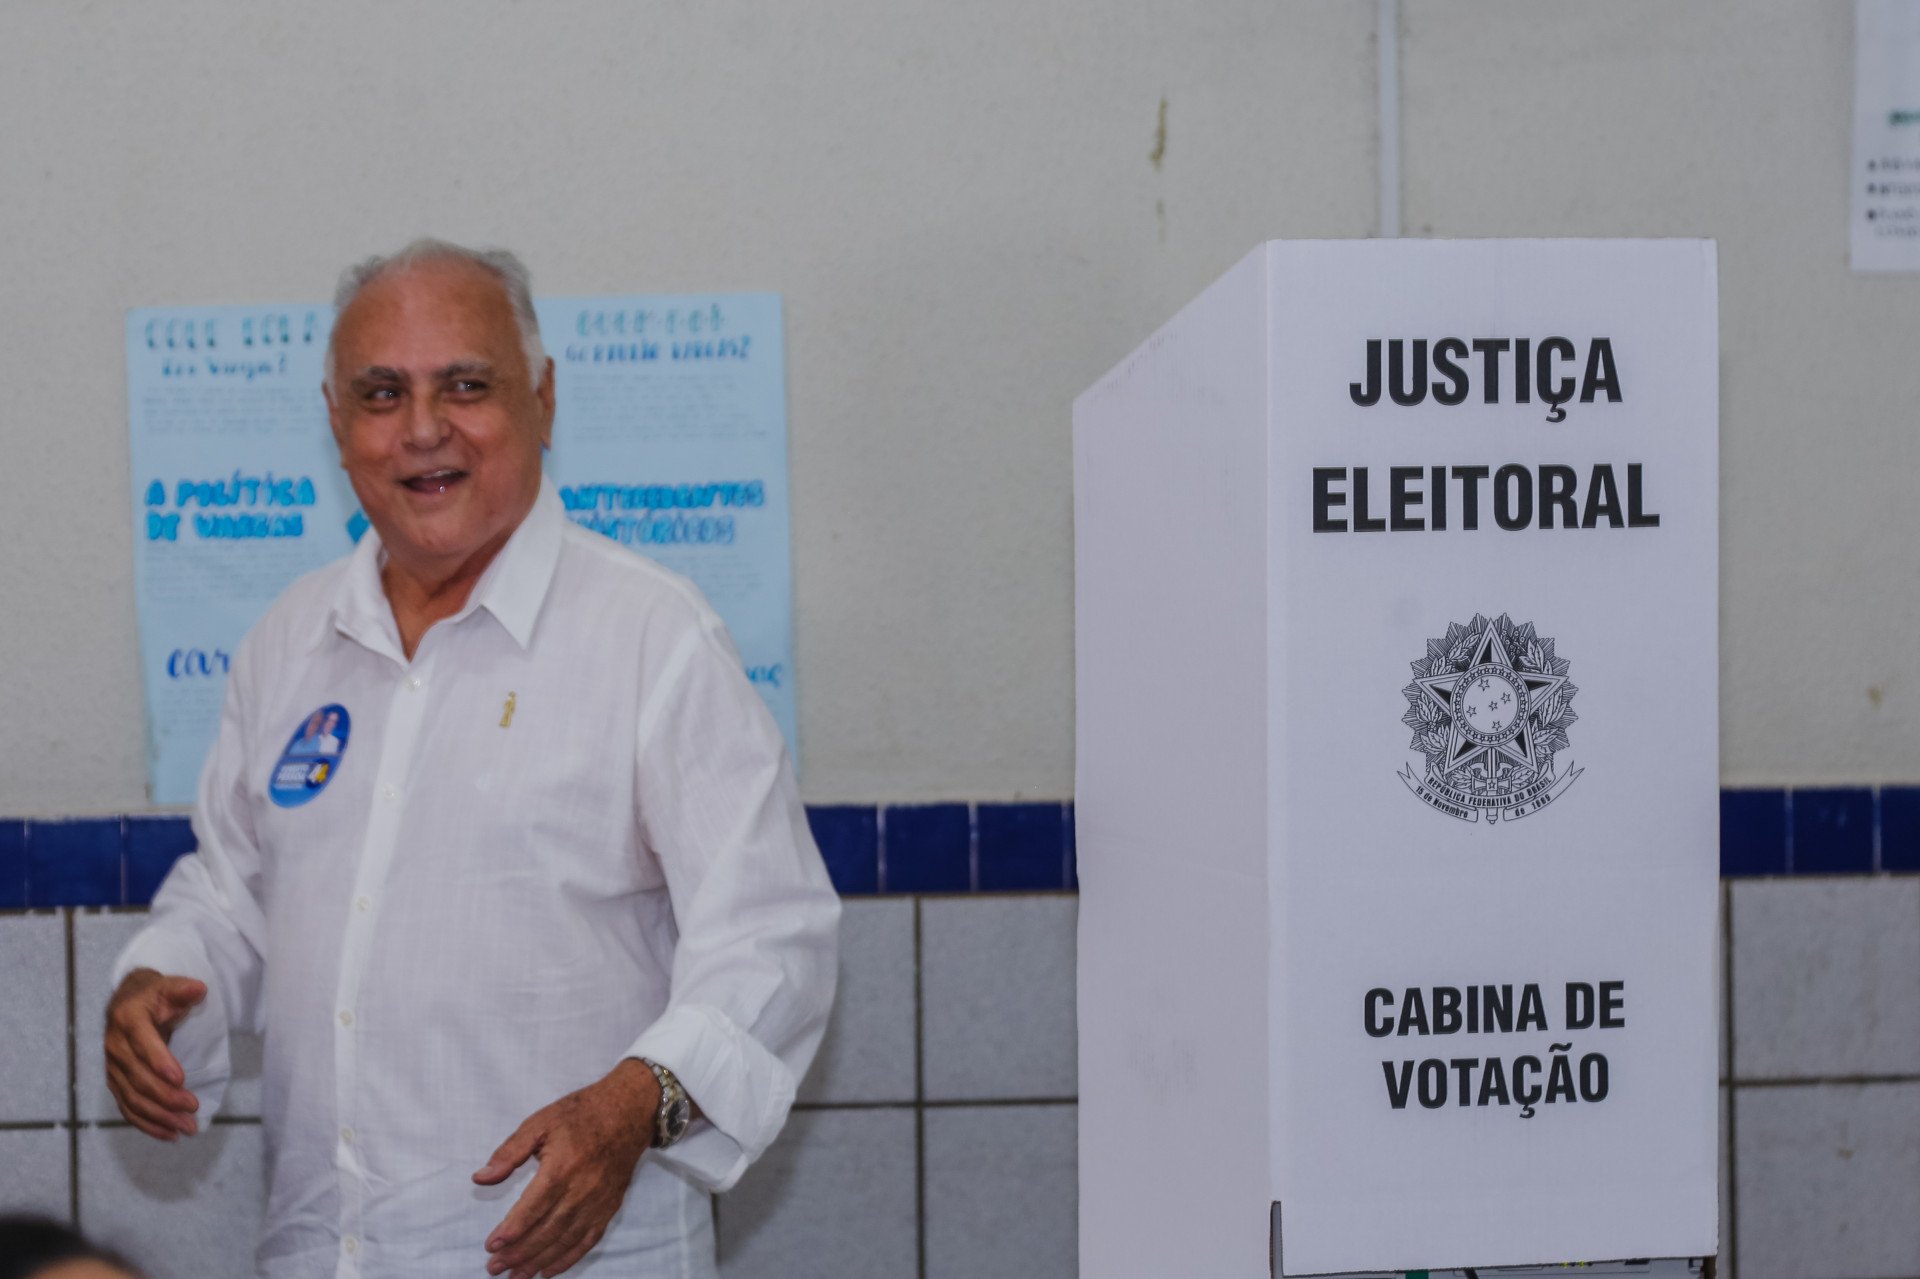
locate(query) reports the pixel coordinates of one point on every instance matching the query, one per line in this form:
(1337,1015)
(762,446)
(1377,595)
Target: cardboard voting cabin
(1398,776)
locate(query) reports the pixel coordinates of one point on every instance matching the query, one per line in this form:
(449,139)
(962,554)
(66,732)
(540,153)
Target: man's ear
(544,392)
(334,423)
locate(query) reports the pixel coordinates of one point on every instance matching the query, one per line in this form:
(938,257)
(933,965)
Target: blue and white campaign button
(312,757)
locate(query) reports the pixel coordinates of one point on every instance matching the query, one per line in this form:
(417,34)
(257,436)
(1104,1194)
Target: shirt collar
(512,588)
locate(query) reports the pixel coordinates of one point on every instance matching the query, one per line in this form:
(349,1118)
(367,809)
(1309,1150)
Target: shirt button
(350,1245)
(413,683)
(346,1135)
(346,1018)
(363,904)
(390,793)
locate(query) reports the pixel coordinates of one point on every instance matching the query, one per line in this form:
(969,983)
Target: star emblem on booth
(1494,707)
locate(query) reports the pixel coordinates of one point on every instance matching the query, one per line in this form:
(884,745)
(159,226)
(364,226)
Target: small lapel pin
(506,715)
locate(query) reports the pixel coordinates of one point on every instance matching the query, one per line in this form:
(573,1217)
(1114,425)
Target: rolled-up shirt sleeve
(757,917)
(207,922)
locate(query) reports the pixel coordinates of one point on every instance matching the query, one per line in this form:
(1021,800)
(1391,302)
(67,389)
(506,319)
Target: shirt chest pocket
(533,791)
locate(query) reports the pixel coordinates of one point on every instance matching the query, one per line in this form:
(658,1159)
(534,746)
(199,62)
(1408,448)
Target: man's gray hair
(503,266)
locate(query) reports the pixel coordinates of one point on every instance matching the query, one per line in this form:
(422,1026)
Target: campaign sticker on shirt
(312,757)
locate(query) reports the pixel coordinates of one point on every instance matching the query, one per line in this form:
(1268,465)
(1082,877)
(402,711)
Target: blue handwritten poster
(237,490)
(671,438)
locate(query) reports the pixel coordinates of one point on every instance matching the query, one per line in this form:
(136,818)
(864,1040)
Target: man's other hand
(588,1144)
(147,1082)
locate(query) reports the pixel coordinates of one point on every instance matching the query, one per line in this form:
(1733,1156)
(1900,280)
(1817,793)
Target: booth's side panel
(1495,501)
(1169,501)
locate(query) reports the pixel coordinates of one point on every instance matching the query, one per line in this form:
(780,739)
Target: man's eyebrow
(463,368)
(376,375)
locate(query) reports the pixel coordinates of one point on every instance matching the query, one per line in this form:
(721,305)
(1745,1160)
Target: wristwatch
(676,1109)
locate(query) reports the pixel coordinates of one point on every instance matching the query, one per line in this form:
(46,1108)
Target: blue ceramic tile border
(926,848)
(1832,832)
(985,847)
(76,863)
(1020,847)
(1899,827)
(1753,832)
(153,845)
(13,865)
(849,840)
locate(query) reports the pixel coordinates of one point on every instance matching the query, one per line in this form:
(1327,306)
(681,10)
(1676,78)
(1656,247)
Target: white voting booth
(1397,807)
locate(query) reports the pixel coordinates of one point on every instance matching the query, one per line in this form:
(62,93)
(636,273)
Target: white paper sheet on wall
(671,438)
(1886,136)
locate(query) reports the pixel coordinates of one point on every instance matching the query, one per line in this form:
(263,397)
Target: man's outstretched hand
(588,1144)
(147,1082)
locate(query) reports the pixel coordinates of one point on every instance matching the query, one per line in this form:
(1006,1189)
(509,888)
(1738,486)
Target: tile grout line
(1731,1242)
(1828,1081)
(973,847)
(1786,800)
(919,1102)
(1066,844)
(73,1085)
(1877,839)
(951,1103)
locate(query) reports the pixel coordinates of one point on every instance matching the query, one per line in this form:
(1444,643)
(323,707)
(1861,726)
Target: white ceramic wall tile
(1725,993)
(188,1209)
(97,942)
(1725,1268)
(34,1172)
(997,997)
(1002,1192)
(1829,1178)
(1826,977)
(33,1018)
(835,1196)
(868,1052)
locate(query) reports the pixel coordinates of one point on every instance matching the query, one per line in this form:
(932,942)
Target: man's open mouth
(434,481)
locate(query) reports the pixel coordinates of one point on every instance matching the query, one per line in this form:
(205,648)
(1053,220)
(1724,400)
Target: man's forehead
(439,312)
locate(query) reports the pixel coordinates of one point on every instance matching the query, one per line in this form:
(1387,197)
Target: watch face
(679,1115)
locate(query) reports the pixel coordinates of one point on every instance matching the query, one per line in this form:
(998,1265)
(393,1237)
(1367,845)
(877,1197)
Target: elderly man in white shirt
(553,903)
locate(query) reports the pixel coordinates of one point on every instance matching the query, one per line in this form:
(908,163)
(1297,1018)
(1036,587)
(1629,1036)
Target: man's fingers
(179,1107)
(151,1129)
(179,996)
(136,1117)
(150,1097)
(544,1245)
(580,1249)
(536,1201)
(510,1154)
(143,1112)
(142,1078)
(153,1052)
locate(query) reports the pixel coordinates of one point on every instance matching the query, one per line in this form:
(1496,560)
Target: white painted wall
(971,217)
(966,207)
(1729,119)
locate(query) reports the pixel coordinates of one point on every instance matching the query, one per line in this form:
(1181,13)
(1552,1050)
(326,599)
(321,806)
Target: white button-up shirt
(565,833)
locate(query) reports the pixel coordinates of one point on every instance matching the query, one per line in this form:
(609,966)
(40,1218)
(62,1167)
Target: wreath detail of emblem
(1489,707)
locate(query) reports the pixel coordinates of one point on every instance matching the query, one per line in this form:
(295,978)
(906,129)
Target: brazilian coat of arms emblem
(1490,705)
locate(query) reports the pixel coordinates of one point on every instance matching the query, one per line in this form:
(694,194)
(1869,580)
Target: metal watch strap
(671,1120)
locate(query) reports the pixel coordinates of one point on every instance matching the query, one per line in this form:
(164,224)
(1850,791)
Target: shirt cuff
(743,1091)
(200,1043)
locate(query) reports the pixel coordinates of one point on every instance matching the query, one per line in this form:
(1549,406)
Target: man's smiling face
(439,421)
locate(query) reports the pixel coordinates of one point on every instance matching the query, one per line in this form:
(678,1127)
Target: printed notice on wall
(670,438)
(1886,136)
(237,490)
